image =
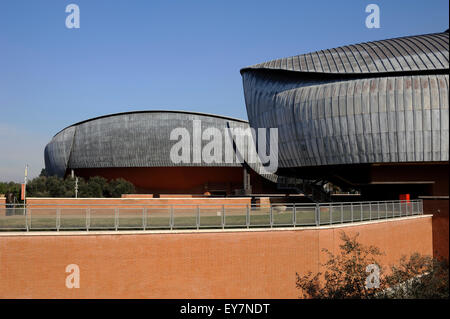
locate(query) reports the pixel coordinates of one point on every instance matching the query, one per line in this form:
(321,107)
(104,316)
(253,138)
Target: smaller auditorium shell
(377,102)
(133,139)
(136,146)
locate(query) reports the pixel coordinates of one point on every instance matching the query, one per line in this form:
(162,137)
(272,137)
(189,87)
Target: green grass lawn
(187,219)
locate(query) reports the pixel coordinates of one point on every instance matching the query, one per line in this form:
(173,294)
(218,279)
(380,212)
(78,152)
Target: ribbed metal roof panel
(412,53)
(387,119)
(134,139)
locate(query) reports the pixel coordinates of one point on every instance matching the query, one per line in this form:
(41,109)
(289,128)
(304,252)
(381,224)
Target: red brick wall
(245,264)
(137,196)
(179,196)
(134,202)
(440,210)
(172,180)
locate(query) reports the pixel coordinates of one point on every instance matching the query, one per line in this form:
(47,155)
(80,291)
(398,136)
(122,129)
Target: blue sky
(175,55)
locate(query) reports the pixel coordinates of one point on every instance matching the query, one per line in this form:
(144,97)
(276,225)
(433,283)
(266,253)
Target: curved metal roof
(404,54)
(131,139)
(376,102)
(387,119)
(154,111)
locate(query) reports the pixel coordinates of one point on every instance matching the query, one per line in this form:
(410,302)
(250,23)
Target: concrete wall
(198,264)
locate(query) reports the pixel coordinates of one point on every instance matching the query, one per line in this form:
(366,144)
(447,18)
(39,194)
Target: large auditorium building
(371,117)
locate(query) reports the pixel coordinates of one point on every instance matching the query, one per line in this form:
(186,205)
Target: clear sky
(169,54)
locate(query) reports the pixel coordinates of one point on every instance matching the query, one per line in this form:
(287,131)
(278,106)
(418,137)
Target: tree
(345,275)
(97,186)
(418,277)
(118,187)
(37,187)
(53,186)
(3,188)
(43,173)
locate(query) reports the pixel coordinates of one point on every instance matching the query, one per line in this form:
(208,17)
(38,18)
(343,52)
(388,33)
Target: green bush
(415,277)
(53,186)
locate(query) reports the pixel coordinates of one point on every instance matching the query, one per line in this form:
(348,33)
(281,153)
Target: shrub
(345,276)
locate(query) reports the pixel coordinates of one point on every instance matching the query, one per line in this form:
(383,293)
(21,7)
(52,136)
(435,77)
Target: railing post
(378,210)
(31,219)
(271,216)
(385,210)
(247,217)
(370,211)
(361,211)
(317,214)
(88,216)
(223,216)
(171,217)
(116,218)
(144,218)
(26,218)
(294,215)
(393,210)
(58,219)
(342,213)
(330,209)
(198,217)
(351,212)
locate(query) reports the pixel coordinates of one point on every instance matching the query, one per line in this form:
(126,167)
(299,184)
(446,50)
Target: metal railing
(197,216)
